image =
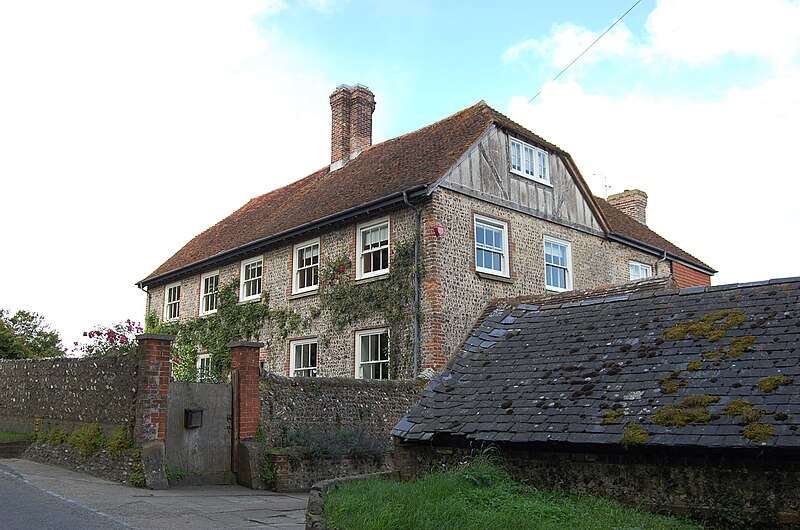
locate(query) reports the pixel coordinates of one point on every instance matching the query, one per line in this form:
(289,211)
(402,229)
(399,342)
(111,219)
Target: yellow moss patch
(744,411)
(737,407)
(758,432)
(712,326)
(613,416)
(691,410)
(671,383)
(771,383)
(633,434)
(694,366)
(739,345)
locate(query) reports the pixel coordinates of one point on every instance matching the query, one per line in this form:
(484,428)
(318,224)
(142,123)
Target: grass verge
(478,496)
(10,436)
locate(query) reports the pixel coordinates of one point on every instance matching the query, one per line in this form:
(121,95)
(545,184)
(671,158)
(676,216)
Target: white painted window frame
(642,267)
(536,168)
(297,269)
(497,225)
(242,281)
(359,363)
(360,229)
(568,267)
(205,295)
(292,356)
(168,303)
(203,366)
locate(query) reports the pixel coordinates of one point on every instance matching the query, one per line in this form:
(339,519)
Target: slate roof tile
(556,383)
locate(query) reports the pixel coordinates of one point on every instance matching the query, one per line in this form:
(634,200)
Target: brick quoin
(244,361)
(687,277)
(153,386)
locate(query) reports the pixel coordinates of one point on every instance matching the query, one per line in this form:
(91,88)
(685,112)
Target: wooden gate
(199,432)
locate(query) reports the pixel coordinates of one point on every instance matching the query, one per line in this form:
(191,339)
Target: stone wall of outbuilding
(728,490)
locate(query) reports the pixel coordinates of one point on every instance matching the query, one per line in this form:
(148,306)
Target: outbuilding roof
(380,174)
(653,366)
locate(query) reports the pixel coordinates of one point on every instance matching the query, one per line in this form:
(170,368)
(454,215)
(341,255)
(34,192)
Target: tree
(26,335)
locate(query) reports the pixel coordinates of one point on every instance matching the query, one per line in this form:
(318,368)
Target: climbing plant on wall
(348,301)
(232,322)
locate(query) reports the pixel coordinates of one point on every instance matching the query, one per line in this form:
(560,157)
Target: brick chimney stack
(351,122)
(631,202)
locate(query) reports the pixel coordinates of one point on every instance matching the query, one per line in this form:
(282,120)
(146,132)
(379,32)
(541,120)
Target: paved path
(120,506)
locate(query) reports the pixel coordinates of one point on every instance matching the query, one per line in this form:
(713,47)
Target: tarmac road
(37,496)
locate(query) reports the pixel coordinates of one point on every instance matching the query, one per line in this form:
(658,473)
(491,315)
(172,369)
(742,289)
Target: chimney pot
(633,203)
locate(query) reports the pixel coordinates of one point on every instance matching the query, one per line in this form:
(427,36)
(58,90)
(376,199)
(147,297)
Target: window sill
(250,300)
(304,294)
(495,277)
(532,179)
(375,278)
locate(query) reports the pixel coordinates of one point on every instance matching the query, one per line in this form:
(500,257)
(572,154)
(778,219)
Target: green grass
(10,436)
(479,496)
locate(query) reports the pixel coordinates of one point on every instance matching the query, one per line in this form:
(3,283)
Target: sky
(126,128)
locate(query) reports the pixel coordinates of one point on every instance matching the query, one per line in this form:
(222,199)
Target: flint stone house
(491,209)
(685,400)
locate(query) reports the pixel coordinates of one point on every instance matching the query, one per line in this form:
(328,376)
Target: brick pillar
(153,386)
(244,362)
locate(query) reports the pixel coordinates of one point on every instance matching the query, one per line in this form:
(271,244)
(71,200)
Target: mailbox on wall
(192,418)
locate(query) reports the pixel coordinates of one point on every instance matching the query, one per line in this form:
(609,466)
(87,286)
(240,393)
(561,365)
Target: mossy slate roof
(414,161)
(552,369)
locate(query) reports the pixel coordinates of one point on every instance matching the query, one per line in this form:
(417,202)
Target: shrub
(56,437)
(119,442)
(356,443)
(87,439)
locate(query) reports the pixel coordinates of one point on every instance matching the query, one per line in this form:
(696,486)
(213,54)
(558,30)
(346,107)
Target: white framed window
(306,267)
(203,365)
(372,249)
(172,301)
(529,161)
(491,246)
(209,291)
(372,354)
(557,264)
(303,362)
(639,271)
(250,283)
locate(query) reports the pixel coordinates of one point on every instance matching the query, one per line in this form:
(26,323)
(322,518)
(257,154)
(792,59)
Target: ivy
(348,301)
(232,322)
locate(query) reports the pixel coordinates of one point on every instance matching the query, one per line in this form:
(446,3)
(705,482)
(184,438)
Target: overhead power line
(590,46)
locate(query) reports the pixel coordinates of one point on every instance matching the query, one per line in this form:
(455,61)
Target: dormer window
(529,161)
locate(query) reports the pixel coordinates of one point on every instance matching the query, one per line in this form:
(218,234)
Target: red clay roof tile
(410,161)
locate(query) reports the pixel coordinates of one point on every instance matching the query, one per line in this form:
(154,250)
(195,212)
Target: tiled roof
(579,372)
(409,162)
(621,224)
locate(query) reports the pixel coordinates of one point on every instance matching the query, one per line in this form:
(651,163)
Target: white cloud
(130,127)
(707,167)
(698,32)
(567,41)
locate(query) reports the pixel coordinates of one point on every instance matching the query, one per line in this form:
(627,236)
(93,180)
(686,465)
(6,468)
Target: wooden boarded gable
(484,172)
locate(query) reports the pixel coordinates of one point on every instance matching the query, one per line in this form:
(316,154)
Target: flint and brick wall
(335,354)
(328,403)
(67,393)
(452,283)
(728,490)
